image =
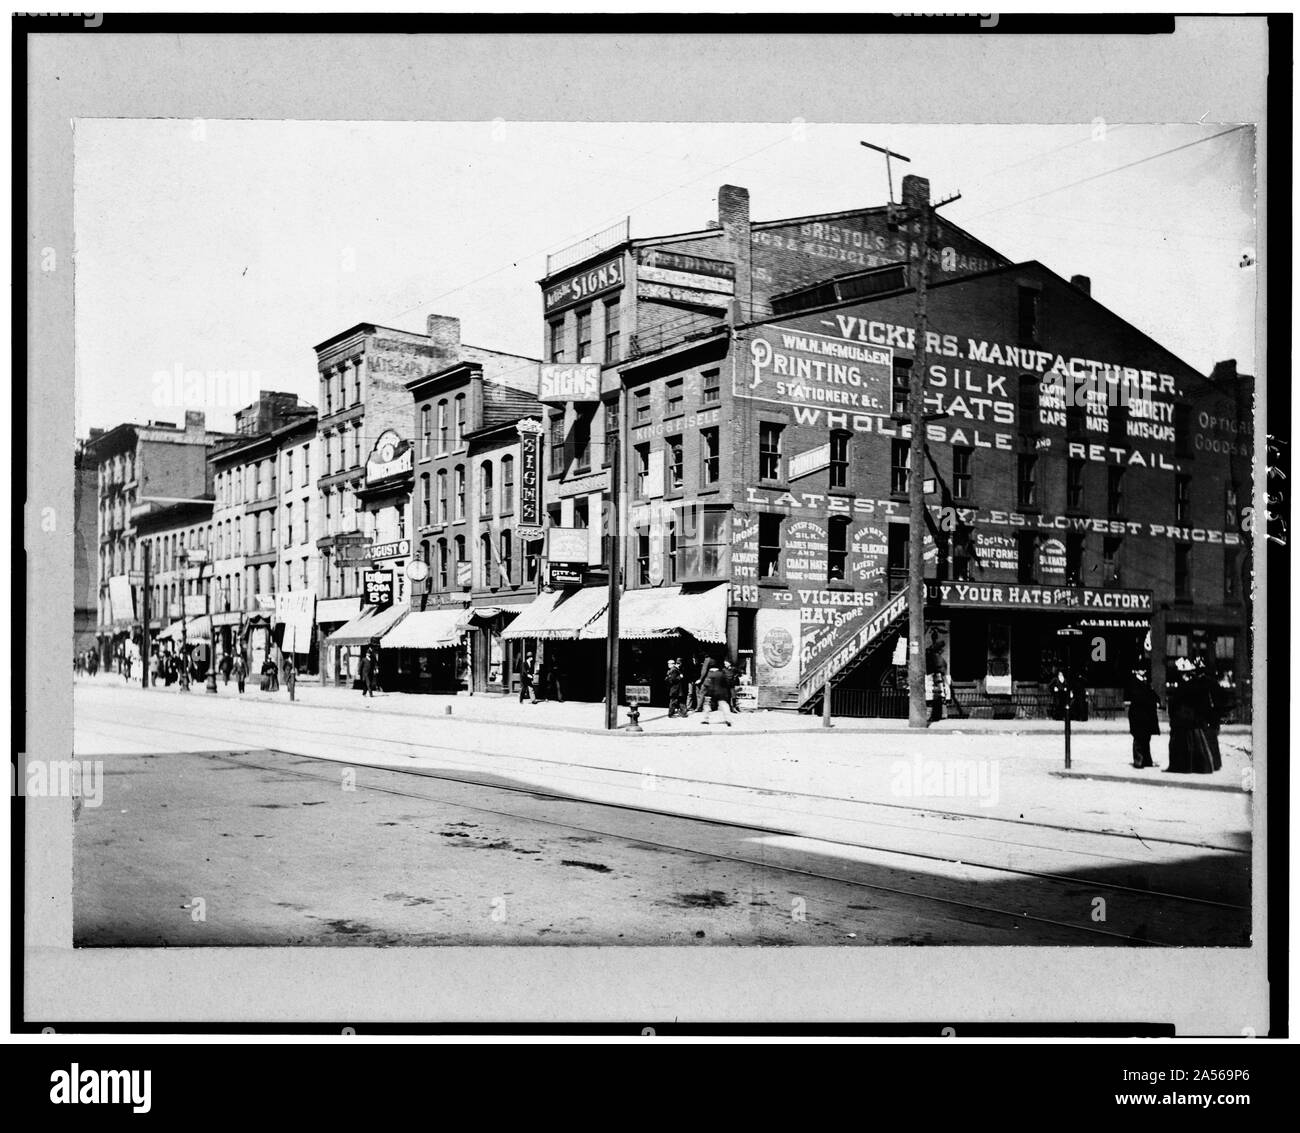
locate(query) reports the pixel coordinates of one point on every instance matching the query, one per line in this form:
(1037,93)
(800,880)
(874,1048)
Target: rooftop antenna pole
(889,169)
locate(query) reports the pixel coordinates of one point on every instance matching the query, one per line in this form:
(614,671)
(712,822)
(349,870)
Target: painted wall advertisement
(744,559)
(795,367)
(583,285)
(777,637)
(804,544)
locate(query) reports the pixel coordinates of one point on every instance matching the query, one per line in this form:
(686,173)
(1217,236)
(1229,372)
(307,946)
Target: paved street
(337,820)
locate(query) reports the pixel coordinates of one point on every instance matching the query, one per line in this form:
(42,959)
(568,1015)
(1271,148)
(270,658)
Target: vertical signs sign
(529,527)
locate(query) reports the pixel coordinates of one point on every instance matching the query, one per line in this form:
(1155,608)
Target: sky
(234,246)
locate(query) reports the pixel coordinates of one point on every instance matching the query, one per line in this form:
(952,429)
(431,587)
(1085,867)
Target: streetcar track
(553,763)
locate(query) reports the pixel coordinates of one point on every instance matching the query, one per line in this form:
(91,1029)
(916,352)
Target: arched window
(485,489)
(507,559)
(426,438)
(460,556)
(426,501)
(442,425)
(460,420)
(485,558)
(442,495)
(507,485)
(460,492)
(442,564)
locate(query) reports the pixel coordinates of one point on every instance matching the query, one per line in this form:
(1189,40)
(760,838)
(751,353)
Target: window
(1026,557)
(674,449)
(641,407)
(1110,549)
(426,501)
(485,508)
(357,368)
(840,458)
(1114,492)
(611,430)
(306,521)
(712,389)
(459,548)
(1230,520)
(611,330)
(710,472)
(641,467)
(1182,500)
(459,437)
(581,514)
(426,434)
(837,549)
(559,463)
(1028,404)
(507,485)
(1074,558)
(902,386)
(442,495)
(961,554)
(1028,313)
(769,545)
(673,551)
(442,426)
(485,558)
(714,541)
(1117,422)
(674,396)
(532,563)
(961,472)
(1230,589)
(1074,485)
(769,450)
(442,564)
(356,445)
(288,471)
(1075,416)
(460,493)
(506,563)
(329,393)
(306,464)
(555,348)
(1026,481)
(1182,430)
(584,335)
(643,558)
(1183,572)
(900,463)
(583,415)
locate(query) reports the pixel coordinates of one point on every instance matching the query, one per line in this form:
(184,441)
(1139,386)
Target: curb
(1187,782)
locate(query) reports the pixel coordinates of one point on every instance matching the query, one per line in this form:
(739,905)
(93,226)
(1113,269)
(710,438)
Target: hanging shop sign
(377,588)
(568,545)
(806,463)
(417,570)
(353,551)
(121,598)
(464,572)
(530,464)
(397,549)
(559,383)
(1024,596)
(584,285)
(565,574)
(392,456)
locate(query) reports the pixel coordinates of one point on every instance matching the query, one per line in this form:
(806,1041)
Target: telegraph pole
(612,561)
(923,214)
(148,613)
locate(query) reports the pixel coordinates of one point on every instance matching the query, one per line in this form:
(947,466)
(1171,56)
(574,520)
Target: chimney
(194,419)
(733,218)
(1082,282)
(444,331)
(1224,371)
(916,191)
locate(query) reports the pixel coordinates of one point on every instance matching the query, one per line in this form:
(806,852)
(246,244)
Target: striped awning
(199,628)
(367,626)
(171,633)
(426,629)
(666,611)
(560,616)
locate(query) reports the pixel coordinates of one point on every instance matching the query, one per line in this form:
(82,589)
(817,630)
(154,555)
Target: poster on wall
(776,635)
(997,679)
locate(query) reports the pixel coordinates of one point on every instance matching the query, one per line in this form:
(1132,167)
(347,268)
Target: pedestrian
(676,690)
(268,674)
(367,668)
(126,668)
(1143,720)
(290,677)
(526,671)
(241,671)
(225,668)
(1189,749)
(732,676)
(555,681)
(715,692)
(1206,698)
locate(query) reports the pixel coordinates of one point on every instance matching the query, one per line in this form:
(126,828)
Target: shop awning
(559,617)
(666,611)
(171,633)
(426,629)
(199,629)
(228,618)
(367,626)
(337,609)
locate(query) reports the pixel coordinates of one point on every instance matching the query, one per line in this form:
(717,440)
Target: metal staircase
(853,650)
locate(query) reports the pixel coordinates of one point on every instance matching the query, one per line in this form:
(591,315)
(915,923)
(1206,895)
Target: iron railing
(610,237)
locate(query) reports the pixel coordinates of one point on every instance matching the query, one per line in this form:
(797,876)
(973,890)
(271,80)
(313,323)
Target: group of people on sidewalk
(534,677)
(716,688)
(1194,719)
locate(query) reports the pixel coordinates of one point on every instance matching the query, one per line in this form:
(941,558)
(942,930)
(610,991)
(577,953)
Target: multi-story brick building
(85,548)
(176,538)
(137,464)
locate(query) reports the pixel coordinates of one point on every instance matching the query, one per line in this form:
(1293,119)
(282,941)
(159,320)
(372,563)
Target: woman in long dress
(1190,752)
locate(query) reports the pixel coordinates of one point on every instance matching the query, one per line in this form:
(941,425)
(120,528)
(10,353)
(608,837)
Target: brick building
(175,537)
(85,547)
(137,464)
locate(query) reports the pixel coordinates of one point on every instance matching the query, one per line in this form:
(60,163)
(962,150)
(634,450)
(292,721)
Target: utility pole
(148,613)
(612,562)
(923,216)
